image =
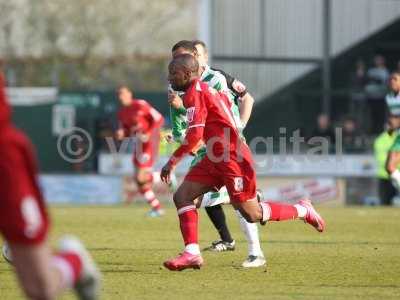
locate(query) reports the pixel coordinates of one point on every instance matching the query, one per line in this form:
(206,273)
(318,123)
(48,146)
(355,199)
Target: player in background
(42,273)
(210,121)
(140,121)
(393,105)
(213,201)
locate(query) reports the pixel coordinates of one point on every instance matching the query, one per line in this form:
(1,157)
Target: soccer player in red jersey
(24,224)
(139,120)
(228,163)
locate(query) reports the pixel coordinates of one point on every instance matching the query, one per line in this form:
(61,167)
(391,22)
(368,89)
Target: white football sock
(250,230)
(65,270)
(193,249)
(301,211)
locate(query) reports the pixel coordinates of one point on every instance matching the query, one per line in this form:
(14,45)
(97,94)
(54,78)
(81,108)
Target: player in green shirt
(393,103)
(212,201)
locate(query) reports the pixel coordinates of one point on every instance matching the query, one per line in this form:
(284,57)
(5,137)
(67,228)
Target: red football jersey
(140,116)
(5,110)
(209,120)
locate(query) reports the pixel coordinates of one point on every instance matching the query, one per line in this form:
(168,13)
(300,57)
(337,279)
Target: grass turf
(357,258)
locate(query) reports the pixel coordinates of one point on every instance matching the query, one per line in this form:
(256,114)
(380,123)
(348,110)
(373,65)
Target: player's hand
(169,138)
(120,134)
(166,172)
(175,101)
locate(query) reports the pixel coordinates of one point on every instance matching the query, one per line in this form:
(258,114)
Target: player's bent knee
(178,198)
(139,180)
(181,199)
(251,216)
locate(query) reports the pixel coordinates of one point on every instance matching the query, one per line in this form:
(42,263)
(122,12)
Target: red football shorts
(237,175)
(146,153)
(23,216)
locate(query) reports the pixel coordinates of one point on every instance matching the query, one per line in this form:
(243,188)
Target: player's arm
(245,108)
(155,118)
(178,124)
(121,131)
(197,114)
(219,83)
(246,102)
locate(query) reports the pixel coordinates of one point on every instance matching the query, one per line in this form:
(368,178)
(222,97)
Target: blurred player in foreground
(228,162)
(24,224)
(212,202)
(393,104)
(140,121)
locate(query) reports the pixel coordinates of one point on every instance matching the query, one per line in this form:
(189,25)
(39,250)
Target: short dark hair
(123,86)
(185,44)
(186,61)
(395,73)
(201,43)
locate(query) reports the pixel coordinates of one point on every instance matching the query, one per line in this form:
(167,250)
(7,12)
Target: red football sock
(150,197)
(188,218)
(69,265)
(282,211)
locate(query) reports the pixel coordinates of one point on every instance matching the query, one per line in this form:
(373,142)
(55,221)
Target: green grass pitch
(357,258)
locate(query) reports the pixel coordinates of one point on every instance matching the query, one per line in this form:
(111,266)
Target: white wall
(293,28)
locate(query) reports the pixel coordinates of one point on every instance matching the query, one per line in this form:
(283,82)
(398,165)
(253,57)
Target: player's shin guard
(274,211)
(69,265)
(188,219)
(250,230)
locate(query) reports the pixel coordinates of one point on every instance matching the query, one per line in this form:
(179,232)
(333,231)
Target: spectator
(378,77)
(359,76)
(352,137)
(325,130)
(358,80)
(382,146)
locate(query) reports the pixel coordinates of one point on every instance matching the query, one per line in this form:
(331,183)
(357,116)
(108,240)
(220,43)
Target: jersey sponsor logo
(31,214)
(190,114)
(238,186)
(238,86)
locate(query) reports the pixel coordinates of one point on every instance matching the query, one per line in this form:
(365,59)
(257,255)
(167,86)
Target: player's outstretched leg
(263,212)
(188,219)
(304,210)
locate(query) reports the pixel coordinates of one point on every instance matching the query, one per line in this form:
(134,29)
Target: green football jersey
(393,103)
